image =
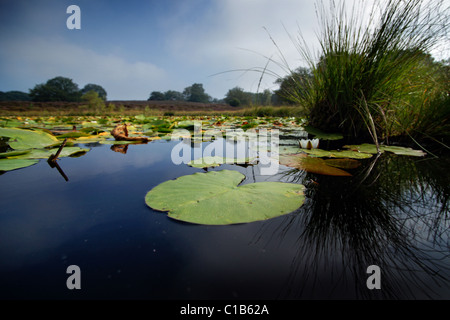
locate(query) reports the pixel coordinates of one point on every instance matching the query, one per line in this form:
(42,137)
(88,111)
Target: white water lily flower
(315,143)
(309,144)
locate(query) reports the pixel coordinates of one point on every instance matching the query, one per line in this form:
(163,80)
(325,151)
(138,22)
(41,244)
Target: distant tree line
(57,89)
(235,97)
(193,93)
(14,96)
(64,89)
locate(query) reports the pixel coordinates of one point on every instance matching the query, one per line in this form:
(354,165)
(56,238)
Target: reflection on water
(393,213)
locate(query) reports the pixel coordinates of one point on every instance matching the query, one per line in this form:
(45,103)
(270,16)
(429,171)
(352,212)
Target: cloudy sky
(132,48)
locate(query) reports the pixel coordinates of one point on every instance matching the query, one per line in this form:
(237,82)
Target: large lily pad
(343,163)
(12,164)
(289,149)
(21,139)
(338,154)
(214,198)
(10,154)
(403,151)
(215,161)
(372,149)
(46,153)
(304,162)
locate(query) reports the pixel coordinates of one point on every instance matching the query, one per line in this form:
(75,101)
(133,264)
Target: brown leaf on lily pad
(312,164)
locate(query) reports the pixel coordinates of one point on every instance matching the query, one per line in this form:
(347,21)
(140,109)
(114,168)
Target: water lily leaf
(371,148)
(89,139)
(13,153)
(343,163)
(120,142)
(186,124)
(289,149)
(45,153)
(214,198)
(12,164)
(288,142)
(20,139)
(404,151)
(337,154)
(211,162)
(72,135)
(323,135)
(304,162)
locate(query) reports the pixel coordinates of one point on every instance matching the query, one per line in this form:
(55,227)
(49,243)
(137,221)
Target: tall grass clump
(368,69)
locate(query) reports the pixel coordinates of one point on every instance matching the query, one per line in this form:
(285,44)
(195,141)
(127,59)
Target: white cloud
(231,35)
(41,59)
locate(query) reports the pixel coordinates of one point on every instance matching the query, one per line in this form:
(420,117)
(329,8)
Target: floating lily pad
(404,151)
(186,124)
(343,163)
(365,147)
(337,154)
(288,142)
(46,153)
(12,164)
(372,149)
(304,162)
(13,153)
(89,139)
(21,139)
(210,162)
(214,198)
(289,149)
(121,142)
(73,135)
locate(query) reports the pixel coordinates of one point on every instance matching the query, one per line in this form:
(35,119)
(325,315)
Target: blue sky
(132,48)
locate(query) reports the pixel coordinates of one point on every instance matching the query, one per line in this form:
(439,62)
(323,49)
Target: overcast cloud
(132,48)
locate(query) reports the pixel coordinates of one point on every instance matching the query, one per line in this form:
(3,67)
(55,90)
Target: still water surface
(393,213)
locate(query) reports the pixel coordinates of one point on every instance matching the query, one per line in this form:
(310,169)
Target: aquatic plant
(214,198)
(368,69)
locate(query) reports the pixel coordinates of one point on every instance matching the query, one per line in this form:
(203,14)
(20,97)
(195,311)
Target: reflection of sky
(99,221)
(43,210)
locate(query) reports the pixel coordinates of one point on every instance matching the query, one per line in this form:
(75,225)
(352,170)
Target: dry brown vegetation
(151,107)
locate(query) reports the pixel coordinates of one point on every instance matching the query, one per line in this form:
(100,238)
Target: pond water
(393,213)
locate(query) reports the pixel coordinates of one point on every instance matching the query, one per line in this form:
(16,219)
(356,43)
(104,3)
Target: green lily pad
(13,153)
(288,142)
(289,149)
(211,162)
(21,139)
(403,151)
(343,163)
(46,153)
(214,198)
(72,135)
(89,139)
(13,164)
(323,135)
(372,149)
(120,142)
(304,162)
(186,124)
(337,154)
